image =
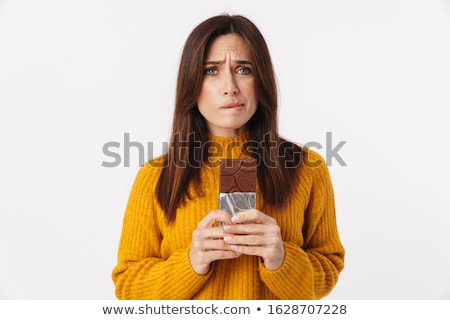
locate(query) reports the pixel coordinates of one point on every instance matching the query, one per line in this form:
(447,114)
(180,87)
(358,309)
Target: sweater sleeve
(311,271)
(141,272)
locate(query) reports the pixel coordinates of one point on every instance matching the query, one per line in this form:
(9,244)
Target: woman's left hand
(254,233)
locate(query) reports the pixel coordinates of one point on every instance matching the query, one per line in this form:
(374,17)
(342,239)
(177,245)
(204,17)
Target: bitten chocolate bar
(237,189)
(237,175)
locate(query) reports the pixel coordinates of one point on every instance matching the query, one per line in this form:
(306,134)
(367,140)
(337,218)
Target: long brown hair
(277,158)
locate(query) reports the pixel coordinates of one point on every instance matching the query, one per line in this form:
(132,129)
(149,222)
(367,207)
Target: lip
(233,105)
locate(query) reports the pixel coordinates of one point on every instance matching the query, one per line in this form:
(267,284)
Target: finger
(215,255)
(249,250)
(208,233)
(250,240)
(252,215)
(273,257)
(265,252)
(213,217)
(201,260)
(261,229)
(208,245)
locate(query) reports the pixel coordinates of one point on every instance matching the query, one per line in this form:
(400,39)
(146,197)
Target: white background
(75,75)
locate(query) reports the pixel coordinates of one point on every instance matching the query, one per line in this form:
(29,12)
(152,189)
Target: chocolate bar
(237,175)
(237,190)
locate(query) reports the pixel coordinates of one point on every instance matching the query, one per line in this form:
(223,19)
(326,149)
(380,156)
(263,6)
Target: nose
(229,86)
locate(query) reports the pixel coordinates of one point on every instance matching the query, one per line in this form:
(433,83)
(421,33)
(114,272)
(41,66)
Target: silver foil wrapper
(237,201)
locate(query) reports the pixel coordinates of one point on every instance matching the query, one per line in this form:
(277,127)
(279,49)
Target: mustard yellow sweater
(153,257)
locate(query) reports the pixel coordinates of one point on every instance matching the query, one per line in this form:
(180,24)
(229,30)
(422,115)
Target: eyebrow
(219,62)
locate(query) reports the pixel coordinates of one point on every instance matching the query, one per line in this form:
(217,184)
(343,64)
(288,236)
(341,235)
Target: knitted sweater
(153,257)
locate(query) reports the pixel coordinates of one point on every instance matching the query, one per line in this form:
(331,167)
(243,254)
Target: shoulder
(312,159)
(156,164)
(301,156)
(149,173)
(314,168)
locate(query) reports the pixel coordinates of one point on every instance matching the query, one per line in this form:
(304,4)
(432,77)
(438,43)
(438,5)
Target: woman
(175,242)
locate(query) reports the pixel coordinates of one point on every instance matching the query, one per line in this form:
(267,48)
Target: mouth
(234,105)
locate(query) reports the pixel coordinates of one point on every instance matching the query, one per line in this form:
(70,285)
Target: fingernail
(227,238)
(234,218)
(227,227)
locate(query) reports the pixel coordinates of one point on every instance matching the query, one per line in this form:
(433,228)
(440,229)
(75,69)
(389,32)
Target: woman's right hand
(207,242)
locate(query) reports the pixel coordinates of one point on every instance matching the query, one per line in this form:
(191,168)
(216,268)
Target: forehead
(232,44)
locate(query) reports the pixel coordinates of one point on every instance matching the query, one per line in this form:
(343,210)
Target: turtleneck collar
(227,147)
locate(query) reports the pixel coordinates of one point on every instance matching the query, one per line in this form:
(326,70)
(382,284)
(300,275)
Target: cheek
(204,104)
(249,89)
(205,97)
(252,96)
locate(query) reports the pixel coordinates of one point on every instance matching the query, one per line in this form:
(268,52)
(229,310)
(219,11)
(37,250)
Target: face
(228,97)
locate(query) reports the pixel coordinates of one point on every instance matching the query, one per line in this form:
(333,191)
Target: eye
(244,70)
(210,71)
